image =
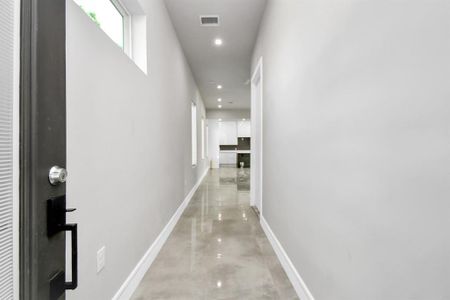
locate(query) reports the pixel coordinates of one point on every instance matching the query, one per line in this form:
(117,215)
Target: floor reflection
(217,250)
(239,177)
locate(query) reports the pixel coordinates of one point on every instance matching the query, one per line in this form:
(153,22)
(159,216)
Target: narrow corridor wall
(356,144)
(228,114)
(129,144)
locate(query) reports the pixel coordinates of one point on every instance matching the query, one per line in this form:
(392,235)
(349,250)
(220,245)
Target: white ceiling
(229,64)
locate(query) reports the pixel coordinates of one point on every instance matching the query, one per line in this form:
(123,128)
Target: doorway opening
(256,178)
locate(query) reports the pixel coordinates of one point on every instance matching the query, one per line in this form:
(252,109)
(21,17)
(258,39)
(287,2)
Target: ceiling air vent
(209,20)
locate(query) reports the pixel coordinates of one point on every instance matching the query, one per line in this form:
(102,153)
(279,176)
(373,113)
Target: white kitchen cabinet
(228,133)
(244,129)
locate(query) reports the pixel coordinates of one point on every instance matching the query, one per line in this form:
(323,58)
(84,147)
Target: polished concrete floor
(218,249)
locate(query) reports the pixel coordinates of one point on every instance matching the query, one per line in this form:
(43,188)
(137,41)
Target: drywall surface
(228,114)
(213,143)
(129,147)
(357,144)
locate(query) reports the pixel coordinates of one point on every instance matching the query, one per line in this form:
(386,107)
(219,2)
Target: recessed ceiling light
(220,120)
(219,106)
(219,86)
(243,119)
(219,100)
(218,42)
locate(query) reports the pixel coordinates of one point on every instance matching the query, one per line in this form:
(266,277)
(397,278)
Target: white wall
(356,144)
(228,114)
(213,142)
(244,129)
(129,148)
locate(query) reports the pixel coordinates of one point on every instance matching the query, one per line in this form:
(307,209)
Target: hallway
(218,249)
(224,149)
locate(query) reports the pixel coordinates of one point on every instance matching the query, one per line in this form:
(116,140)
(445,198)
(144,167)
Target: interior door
(43,152)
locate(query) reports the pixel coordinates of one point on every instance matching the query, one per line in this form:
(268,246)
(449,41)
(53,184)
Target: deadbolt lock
(57,175)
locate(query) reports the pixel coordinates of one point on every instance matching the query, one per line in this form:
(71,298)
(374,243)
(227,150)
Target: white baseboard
(131,283)
(297,282)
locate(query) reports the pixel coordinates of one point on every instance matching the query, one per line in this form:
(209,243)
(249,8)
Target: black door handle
(56,222)
(74,237)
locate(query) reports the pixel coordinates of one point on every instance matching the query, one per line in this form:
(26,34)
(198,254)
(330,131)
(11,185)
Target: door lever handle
(56,223)
(74,237)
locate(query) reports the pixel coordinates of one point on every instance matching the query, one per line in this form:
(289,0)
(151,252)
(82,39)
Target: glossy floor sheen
(218,249)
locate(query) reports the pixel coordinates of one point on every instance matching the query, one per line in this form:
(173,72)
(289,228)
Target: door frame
(42,59)
(25,211)
(257,140)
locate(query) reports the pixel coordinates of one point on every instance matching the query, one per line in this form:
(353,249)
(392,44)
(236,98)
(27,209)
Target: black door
(43,146)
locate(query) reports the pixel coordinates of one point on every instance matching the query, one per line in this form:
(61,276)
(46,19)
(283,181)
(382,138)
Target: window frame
(194,137)
(203,138)
(134,28)
(207,140)
(127,30)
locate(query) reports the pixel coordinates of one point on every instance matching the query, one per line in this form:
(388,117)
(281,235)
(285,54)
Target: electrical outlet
(101,259)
